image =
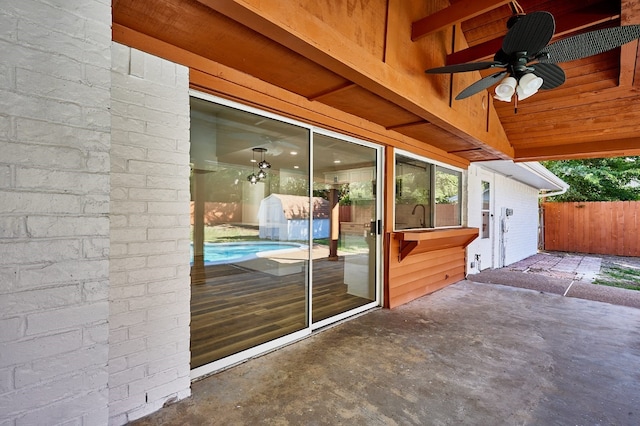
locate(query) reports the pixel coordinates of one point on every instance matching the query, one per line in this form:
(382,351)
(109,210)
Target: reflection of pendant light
(262,166)
(253,179)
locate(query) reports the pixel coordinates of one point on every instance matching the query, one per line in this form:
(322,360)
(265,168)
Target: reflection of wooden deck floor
(233,308)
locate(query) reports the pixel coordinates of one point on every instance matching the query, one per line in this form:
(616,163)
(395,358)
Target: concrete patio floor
(471,353)
(566,274)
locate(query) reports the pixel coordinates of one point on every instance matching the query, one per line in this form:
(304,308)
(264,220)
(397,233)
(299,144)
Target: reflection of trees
(415,188)
(223,185)
(447,187)
(347,192)
(291,185)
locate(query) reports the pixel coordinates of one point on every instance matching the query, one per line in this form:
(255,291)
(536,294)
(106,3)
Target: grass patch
(229,233)
(617,275)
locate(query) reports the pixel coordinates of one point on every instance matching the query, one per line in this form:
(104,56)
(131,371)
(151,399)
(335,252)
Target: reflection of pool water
(220,253)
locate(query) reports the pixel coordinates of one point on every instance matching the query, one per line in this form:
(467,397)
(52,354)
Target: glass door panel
(250,215)
(345,221)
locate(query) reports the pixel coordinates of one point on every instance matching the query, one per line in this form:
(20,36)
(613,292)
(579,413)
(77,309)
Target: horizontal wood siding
(593,227)
(422,273)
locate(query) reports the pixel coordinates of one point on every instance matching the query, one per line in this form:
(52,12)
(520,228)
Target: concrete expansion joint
(568,288)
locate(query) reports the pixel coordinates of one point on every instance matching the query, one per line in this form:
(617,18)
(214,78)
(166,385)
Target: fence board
(601,227)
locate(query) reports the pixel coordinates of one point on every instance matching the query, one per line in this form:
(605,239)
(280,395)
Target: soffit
(529,173)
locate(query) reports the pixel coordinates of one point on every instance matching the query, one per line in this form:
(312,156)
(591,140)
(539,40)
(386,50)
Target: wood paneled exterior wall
(593,227)
(421,262)
(422,273)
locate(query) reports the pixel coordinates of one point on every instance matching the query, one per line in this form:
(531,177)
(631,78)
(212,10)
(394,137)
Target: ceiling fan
(528,60)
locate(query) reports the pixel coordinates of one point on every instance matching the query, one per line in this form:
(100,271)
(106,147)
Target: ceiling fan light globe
(530,83)
(506,88)
(524,94)
(507,99)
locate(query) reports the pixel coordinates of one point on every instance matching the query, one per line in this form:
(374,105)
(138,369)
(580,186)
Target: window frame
(432,164)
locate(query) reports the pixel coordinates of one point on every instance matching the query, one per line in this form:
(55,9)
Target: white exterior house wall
(55,137)
(521,239)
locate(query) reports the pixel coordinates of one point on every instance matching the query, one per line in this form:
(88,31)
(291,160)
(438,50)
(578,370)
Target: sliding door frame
(242,356)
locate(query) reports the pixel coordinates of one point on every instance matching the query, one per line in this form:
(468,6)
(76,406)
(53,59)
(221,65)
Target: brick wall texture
(149,295)
(55,83)
(521,240)
(94,220)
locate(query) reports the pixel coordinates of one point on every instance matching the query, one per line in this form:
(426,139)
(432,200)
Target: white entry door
(487,223)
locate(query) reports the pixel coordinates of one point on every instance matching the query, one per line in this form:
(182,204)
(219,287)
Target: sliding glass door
(284,229)
(250,248)
(344,259)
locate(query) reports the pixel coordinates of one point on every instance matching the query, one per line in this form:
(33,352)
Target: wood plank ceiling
(595,113)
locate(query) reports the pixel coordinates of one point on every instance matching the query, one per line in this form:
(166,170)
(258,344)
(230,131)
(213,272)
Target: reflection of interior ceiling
(287,145)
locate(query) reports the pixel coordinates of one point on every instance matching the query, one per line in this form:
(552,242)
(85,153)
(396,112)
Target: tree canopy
(598,179)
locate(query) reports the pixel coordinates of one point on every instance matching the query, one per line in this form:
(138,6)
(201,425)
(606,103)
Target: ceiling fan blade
(531,33)
(589,44)
(469,66)
(481,84)
(552,75)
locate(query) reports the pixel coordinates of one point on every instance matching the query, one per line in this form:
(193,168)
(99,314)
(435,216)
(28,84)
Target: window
(447,197)
(485,232)
(427,195)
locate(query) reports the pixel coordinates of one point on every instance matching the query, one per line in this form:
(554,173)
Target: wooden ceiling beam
(629,65)
(451,15)
(629,54)
(346,86)
(568,24)
(405,125)
(612,148)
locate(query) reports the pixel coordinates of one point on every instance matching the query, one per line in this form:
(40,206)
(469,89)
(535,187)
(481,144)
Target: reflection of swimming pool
(220,253)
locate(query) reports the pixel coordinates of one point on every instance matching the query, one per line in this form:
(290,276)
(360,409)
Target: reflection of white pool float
(223,253)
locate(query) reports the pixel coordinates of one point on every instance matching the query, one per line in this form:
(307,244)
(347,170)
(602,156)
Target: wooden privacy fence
(602,227)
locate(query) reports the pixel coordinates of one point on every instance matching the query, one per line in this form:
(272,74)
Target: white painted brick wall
(522,238)
(150,285)
(54,228)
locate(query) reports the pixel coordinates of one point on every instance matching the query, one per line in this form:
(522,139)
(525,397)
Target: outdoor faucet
(423,221)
